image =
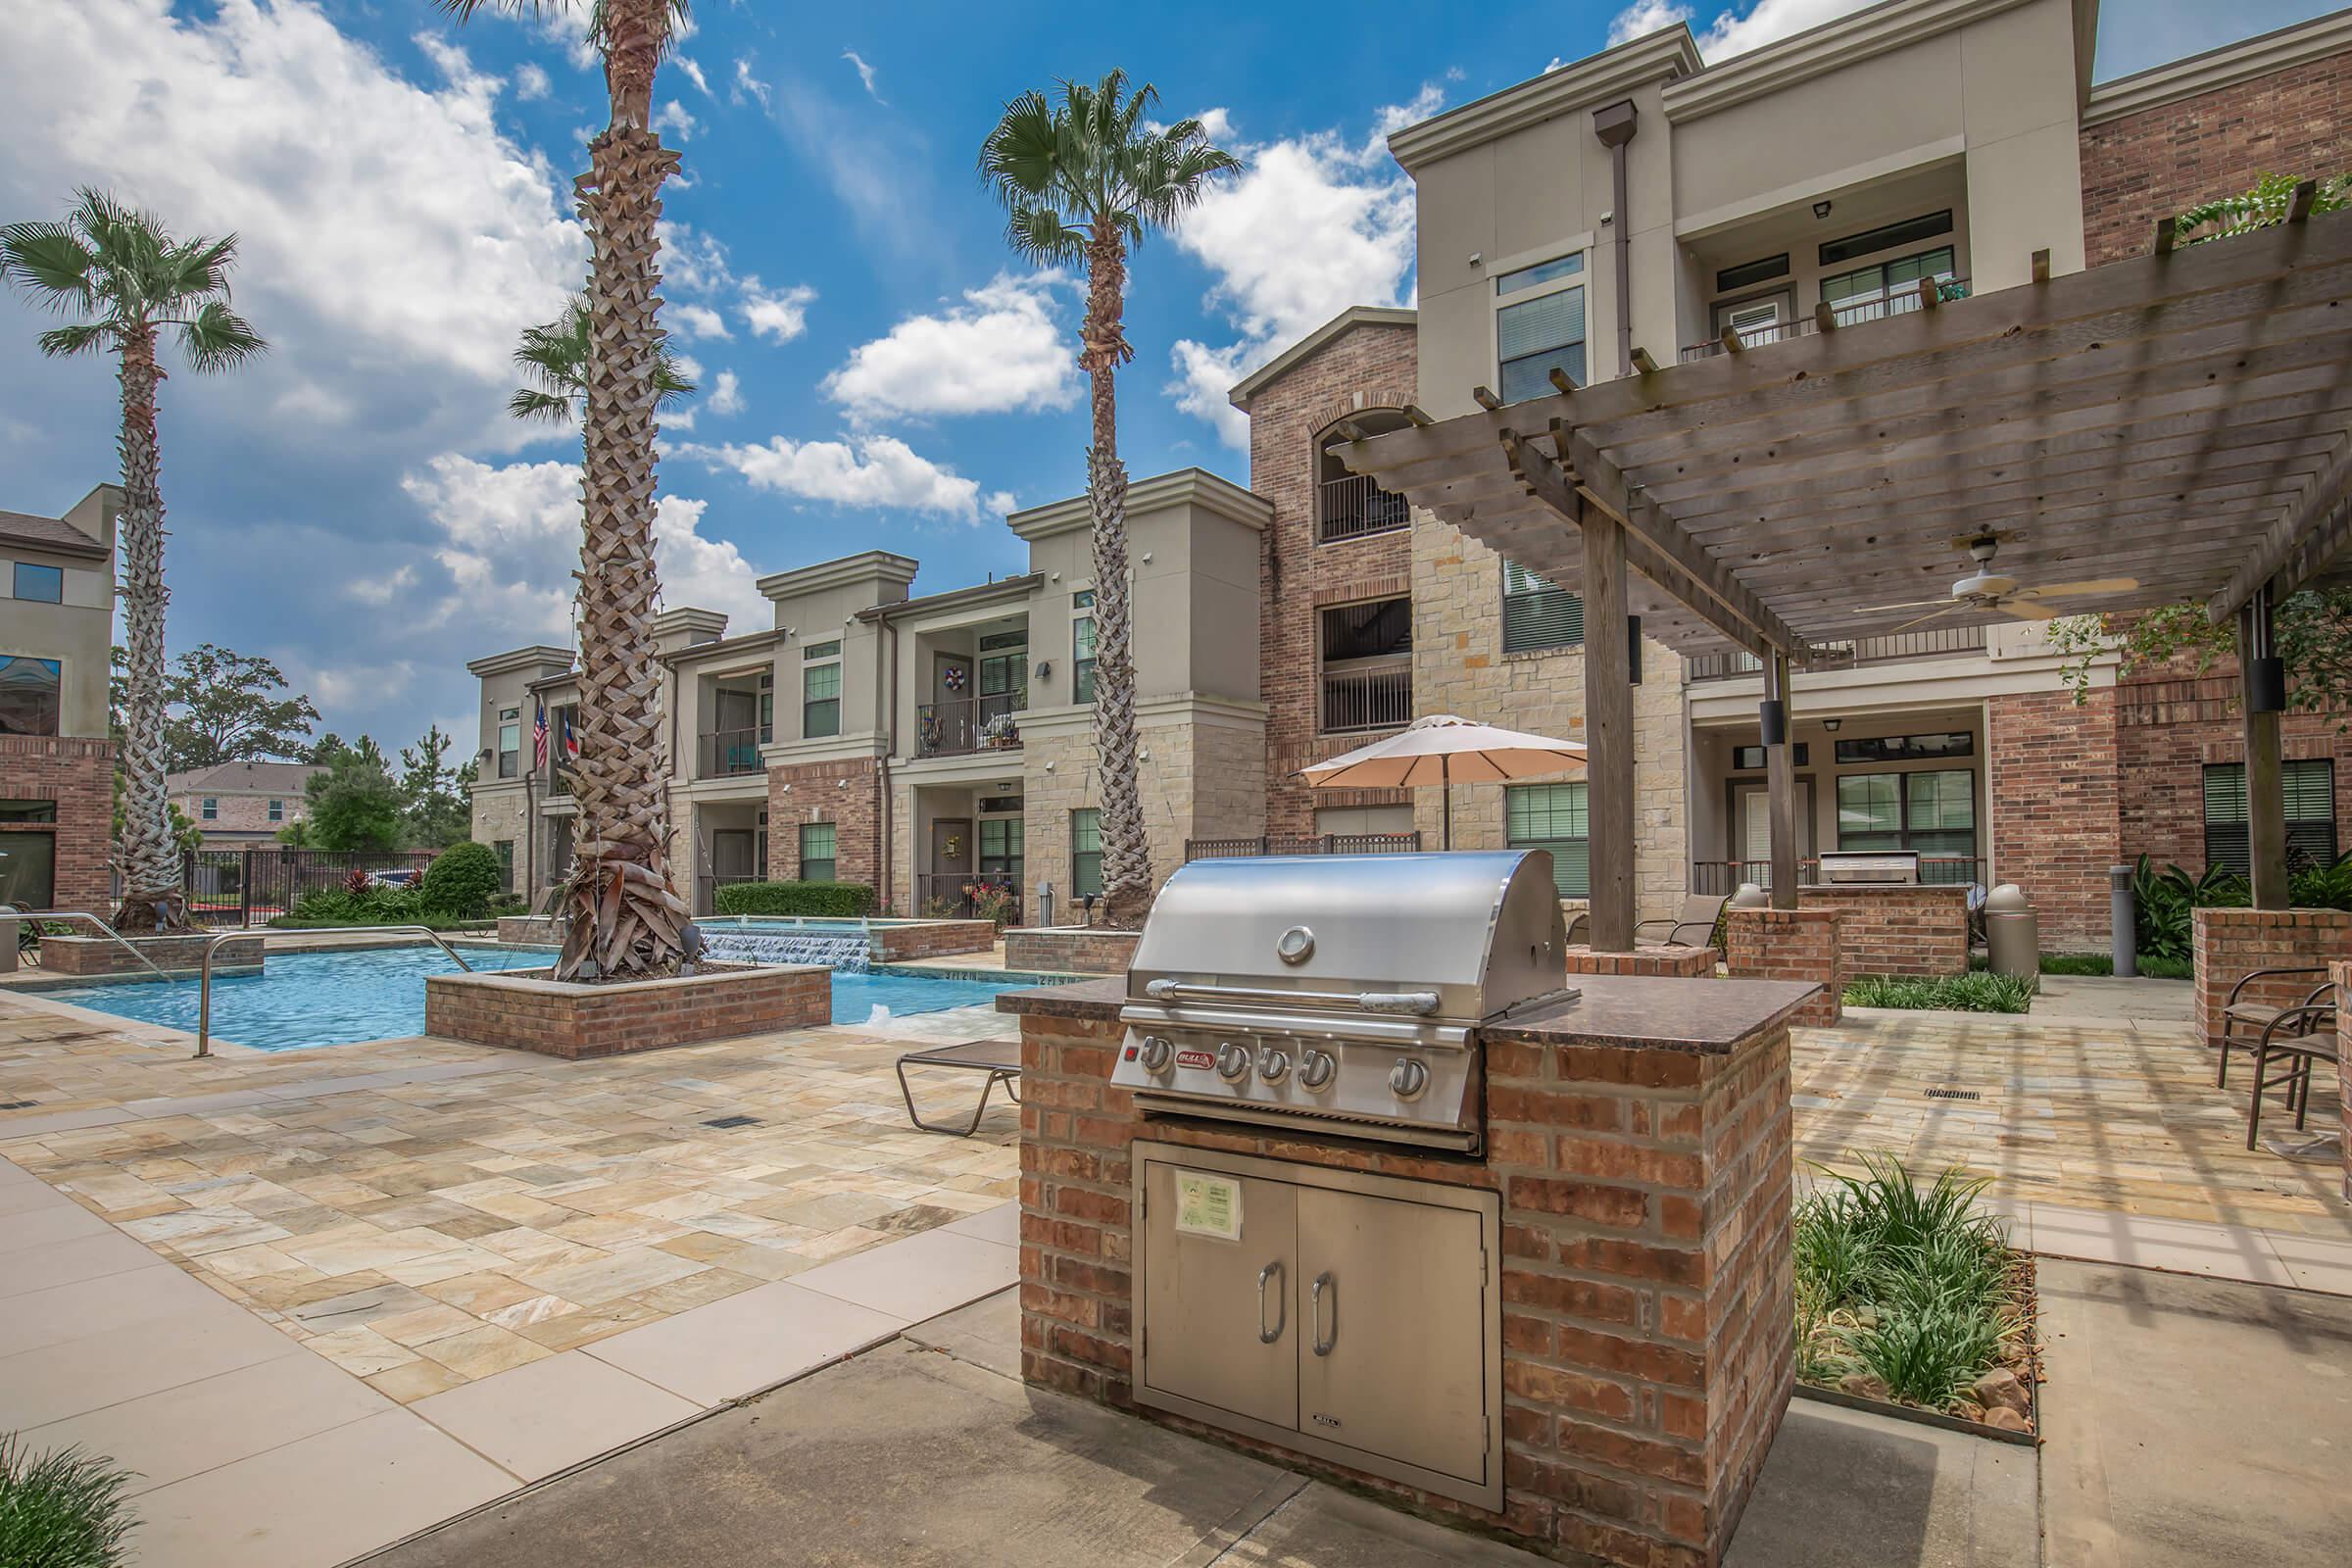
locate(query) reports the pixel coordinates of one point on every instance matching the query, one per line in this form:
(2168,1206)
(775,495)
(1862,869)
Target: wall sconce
(1048,767)
(1821,209)
(1831,725)
(1477,256)
(1045,671)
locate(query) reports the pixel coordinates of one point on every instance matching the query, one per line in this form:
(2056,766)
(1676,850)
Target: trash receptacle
(1751,897)
(2012,931)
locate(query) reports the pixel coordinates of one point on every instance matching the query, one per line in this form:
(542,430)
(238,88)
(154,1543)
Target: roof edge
(1185,486)
(2216,69)
(840,573)
(1281,364)
(519,659)
(1818,50)
(1670,52)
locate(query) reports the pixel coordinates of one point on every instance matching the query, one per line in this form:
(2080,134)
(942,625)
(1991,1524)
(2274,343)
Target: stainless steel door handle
(1315,1295)
(1265,1335)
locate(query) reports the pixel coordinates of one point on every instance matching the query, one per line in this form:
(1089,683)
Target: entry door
(1392,1329)
(1753,827)
(1221,1316)
(951,846)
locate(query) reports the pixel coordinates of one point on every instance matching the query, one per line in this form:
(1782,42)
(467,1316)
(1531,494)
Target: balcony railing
(727,753)
(1852,313)
(969,724)
(1367,699)
(1355,507)
(1303,844)
(1939,643)
(1725,876)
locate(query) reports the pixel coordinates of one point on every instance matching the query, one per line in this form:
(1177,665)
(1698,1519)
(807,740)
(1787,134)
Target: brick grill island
(1897,928)
(1068,950)
(522,1010)
(1637,1147)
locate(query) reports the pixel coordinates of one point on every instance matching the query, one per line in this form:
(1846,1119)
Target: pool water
(336,999)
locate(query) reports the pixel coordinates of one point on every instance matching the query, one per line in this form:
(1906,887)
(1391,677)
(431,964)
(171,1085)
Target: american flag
(539,738)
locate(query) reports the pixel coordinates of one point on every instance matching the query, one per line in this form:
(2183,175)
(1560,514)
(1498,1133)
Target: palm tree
(1082,181)
(553,357)
(124,279)
(625,914)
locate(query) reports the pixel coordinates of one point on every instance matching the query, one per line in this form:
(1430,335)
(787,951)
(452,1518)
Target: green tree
(224,707)
(1082,181)
(626,914)
(2265,206)
(355,806)
(122,279)
(553,359)
(438,798)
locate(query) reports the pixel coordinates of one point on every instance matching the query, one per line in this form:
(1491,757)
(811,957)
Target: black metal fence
(255,884)
(1303,844)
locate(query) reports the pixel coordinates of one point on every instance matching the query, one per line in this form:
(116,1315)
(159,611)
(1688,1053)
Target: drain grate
(18,1104)
(732,1121)
(1953,1094)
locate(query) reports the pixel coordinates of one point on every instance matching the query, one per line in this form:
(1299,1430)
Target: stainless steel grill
(1340,994)
(1862,867)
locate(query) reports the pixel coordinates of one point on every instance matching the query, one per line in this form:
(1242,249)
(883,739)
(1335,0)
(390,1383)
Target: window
(1907,747)
(1552,817)
(2310,790)
(1535,614)
(1541,333)
(278,810)
(821,701)
(1748,274)
(505,864)
(1910,231)
(1086,852)
(1750,758)
(825,650)
(42,584)
(816,852)
(1003,673)
(767,706)
(509,742)
(24,810)
(1375,630)
(1001,847)
(1082,657)
(28,695)
(29,871)
(1933,812)
(1853,292)
(209,809)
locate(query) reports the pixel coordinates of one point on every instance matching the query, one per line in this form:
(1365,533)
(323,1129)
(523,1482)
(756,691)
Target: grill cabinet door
(1393,1359)
(1204,1314)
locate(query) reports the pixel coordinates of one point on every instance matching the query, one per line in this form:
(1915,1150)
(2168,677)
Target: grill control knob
(1157,1054)
(1315,1069)
(1408,1078)
(1273,1066)
(1233,1062)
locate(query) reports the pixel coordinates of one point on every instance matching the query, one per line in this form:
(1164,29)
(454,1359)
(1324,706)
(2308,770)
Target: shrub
(835,899)
(1980,991)
(2076,964)
(64,1508)
(2160,968)
(461,881)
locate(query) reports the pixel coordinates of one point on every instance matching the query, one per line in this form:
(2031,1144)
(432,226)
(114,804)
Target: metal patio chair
(1693,926)
(1001,1059)
(2244,1022)
(2301,1037)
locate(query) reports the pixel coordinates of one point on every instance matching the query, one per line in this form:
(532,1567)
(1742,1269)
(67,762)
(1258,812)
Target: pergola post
(1609,733)
(2262,690)
(1779,779)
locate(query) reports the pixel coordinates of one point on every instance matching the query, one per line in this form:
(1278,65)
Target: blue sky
(876,370)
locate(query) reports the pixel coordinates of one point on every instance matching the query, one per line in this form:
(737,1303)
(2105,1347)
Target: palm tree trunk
(624,913)
(1126,849)
(152,897)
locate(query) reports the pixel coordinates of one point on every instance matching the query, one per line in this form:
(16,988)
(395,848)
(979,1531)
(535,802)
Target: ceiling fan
(1984,588)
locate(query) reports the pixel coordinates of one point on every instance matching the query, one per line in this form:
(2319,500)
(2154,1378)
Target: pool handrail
(9,912)
(204,973)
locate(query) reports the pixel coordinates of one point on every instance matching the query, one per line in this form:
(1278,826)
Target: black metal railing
(1367,699)
(969,724)
(559,780)
(968,894)
(1725,876)
(1942,642)
(727,753)
(1303,844)
(1355,507)
(255,884)
(1900,301)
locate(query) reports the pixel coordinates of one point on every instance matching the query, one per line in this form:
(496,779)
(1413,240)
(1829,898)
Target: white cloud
(866,73)
(997,351)
(692,260)
(371,590)
(530,82)
(1317,222)
(747,84)
(782,315)
(694,73)
(1732,33)
(1644,17)
(726,395)
(672,117)
(695,321)
(865,471)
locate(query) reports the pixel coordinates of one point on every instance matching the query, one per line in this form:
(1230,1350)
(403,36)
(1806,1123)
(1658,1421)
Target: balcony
(1353,506)
(1367,697)
(1943,642)
(1852,313)
(729,753)
(969,724)
(559,780)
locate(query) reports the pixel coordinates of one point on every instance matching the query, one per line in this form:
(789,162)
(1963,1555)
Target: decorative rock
(2005,1419)
(1999,1389)
(1865,1386)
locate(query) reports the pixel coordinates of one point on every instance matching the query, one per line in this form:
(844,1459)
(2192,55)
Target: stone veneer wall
(522,1010)
(1647,1279)
(847,793)
(498,814)
(77,774)
(2227,945)
(1070,950)
(1899,930)
(2139,168)
(180,954)
(2056,811)
(1791,945)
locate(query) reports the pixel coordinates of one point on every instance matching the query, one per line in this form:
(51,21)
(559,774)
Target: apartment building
(241,804)
(57,761)
(925,743)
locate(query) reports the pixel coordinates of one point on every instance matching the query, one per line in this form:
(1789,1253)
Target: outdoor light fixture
(2265,685)
(1772,723)
(1831,725)
(1821,209)
(1045,669)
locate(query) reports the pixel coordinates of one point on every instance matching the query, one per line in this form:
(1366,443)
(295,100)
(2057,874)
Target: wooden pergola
(2182,418)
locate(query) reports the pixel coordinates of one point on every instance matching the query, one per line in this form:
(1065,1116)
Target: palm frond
(217,338)
(541,407)
(1088,163)
(1039,235)
(63,342)
(49,262)
(464,11)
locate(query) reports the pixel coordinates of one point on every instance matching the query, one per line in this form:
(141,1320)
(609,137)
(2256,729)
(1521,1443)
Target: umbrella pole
(1445,798)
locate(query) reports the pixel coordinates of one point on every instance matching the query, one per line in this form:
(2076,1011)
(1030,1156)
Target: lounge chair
(1692,927)
(1001,1059)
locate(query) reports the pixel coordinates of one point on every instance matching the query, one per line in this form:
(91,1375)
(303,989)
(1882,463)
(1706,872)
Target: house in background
(57,763)
(241,804)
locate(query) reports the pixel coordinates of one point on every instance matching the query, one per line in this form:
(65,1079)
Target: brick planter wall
(1677,963)
(99,957)
(1898,930)
(522,1010)
(1070,949)
(2227,945)
(1647,1279)
(933,939)
(1790,945)
(528,930)
(2342,969)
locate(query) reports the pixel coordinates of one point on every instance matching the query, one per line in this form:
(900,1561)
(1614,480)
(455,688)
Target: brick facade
(1791,945)
(1901,930)
(523,1010)
(933,939)
(1070,950)
(2056,791)
(2227,945)
(101,955)
(847,794)
(78,774)
(1647,1278)
(2139,168)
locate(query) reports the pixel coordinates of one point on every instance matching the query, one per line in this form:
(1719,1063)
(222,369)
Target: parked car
(399,877)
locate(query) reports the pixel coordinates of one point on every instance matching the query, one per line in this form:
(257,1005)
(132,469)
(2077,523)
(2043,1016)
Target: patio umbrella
(1444,750)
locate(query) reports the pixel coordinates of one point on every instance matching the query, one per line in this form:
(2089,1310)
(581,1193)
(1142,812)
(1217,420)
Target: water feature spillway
(835,949)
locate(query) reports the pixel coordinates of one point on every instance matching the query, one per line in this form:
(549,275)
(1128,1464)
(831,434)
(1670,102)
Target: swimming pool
(336,999)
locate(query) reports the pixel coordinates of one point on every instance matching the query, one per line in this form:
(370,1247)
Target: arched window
(1349,506)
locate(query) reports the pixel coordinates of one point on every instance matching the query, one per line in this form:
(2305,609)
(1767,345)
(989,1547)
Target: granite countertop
(1710,1016)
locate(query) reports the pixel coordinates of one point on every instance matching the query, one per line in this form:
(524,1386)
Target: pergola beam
(2298,546)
